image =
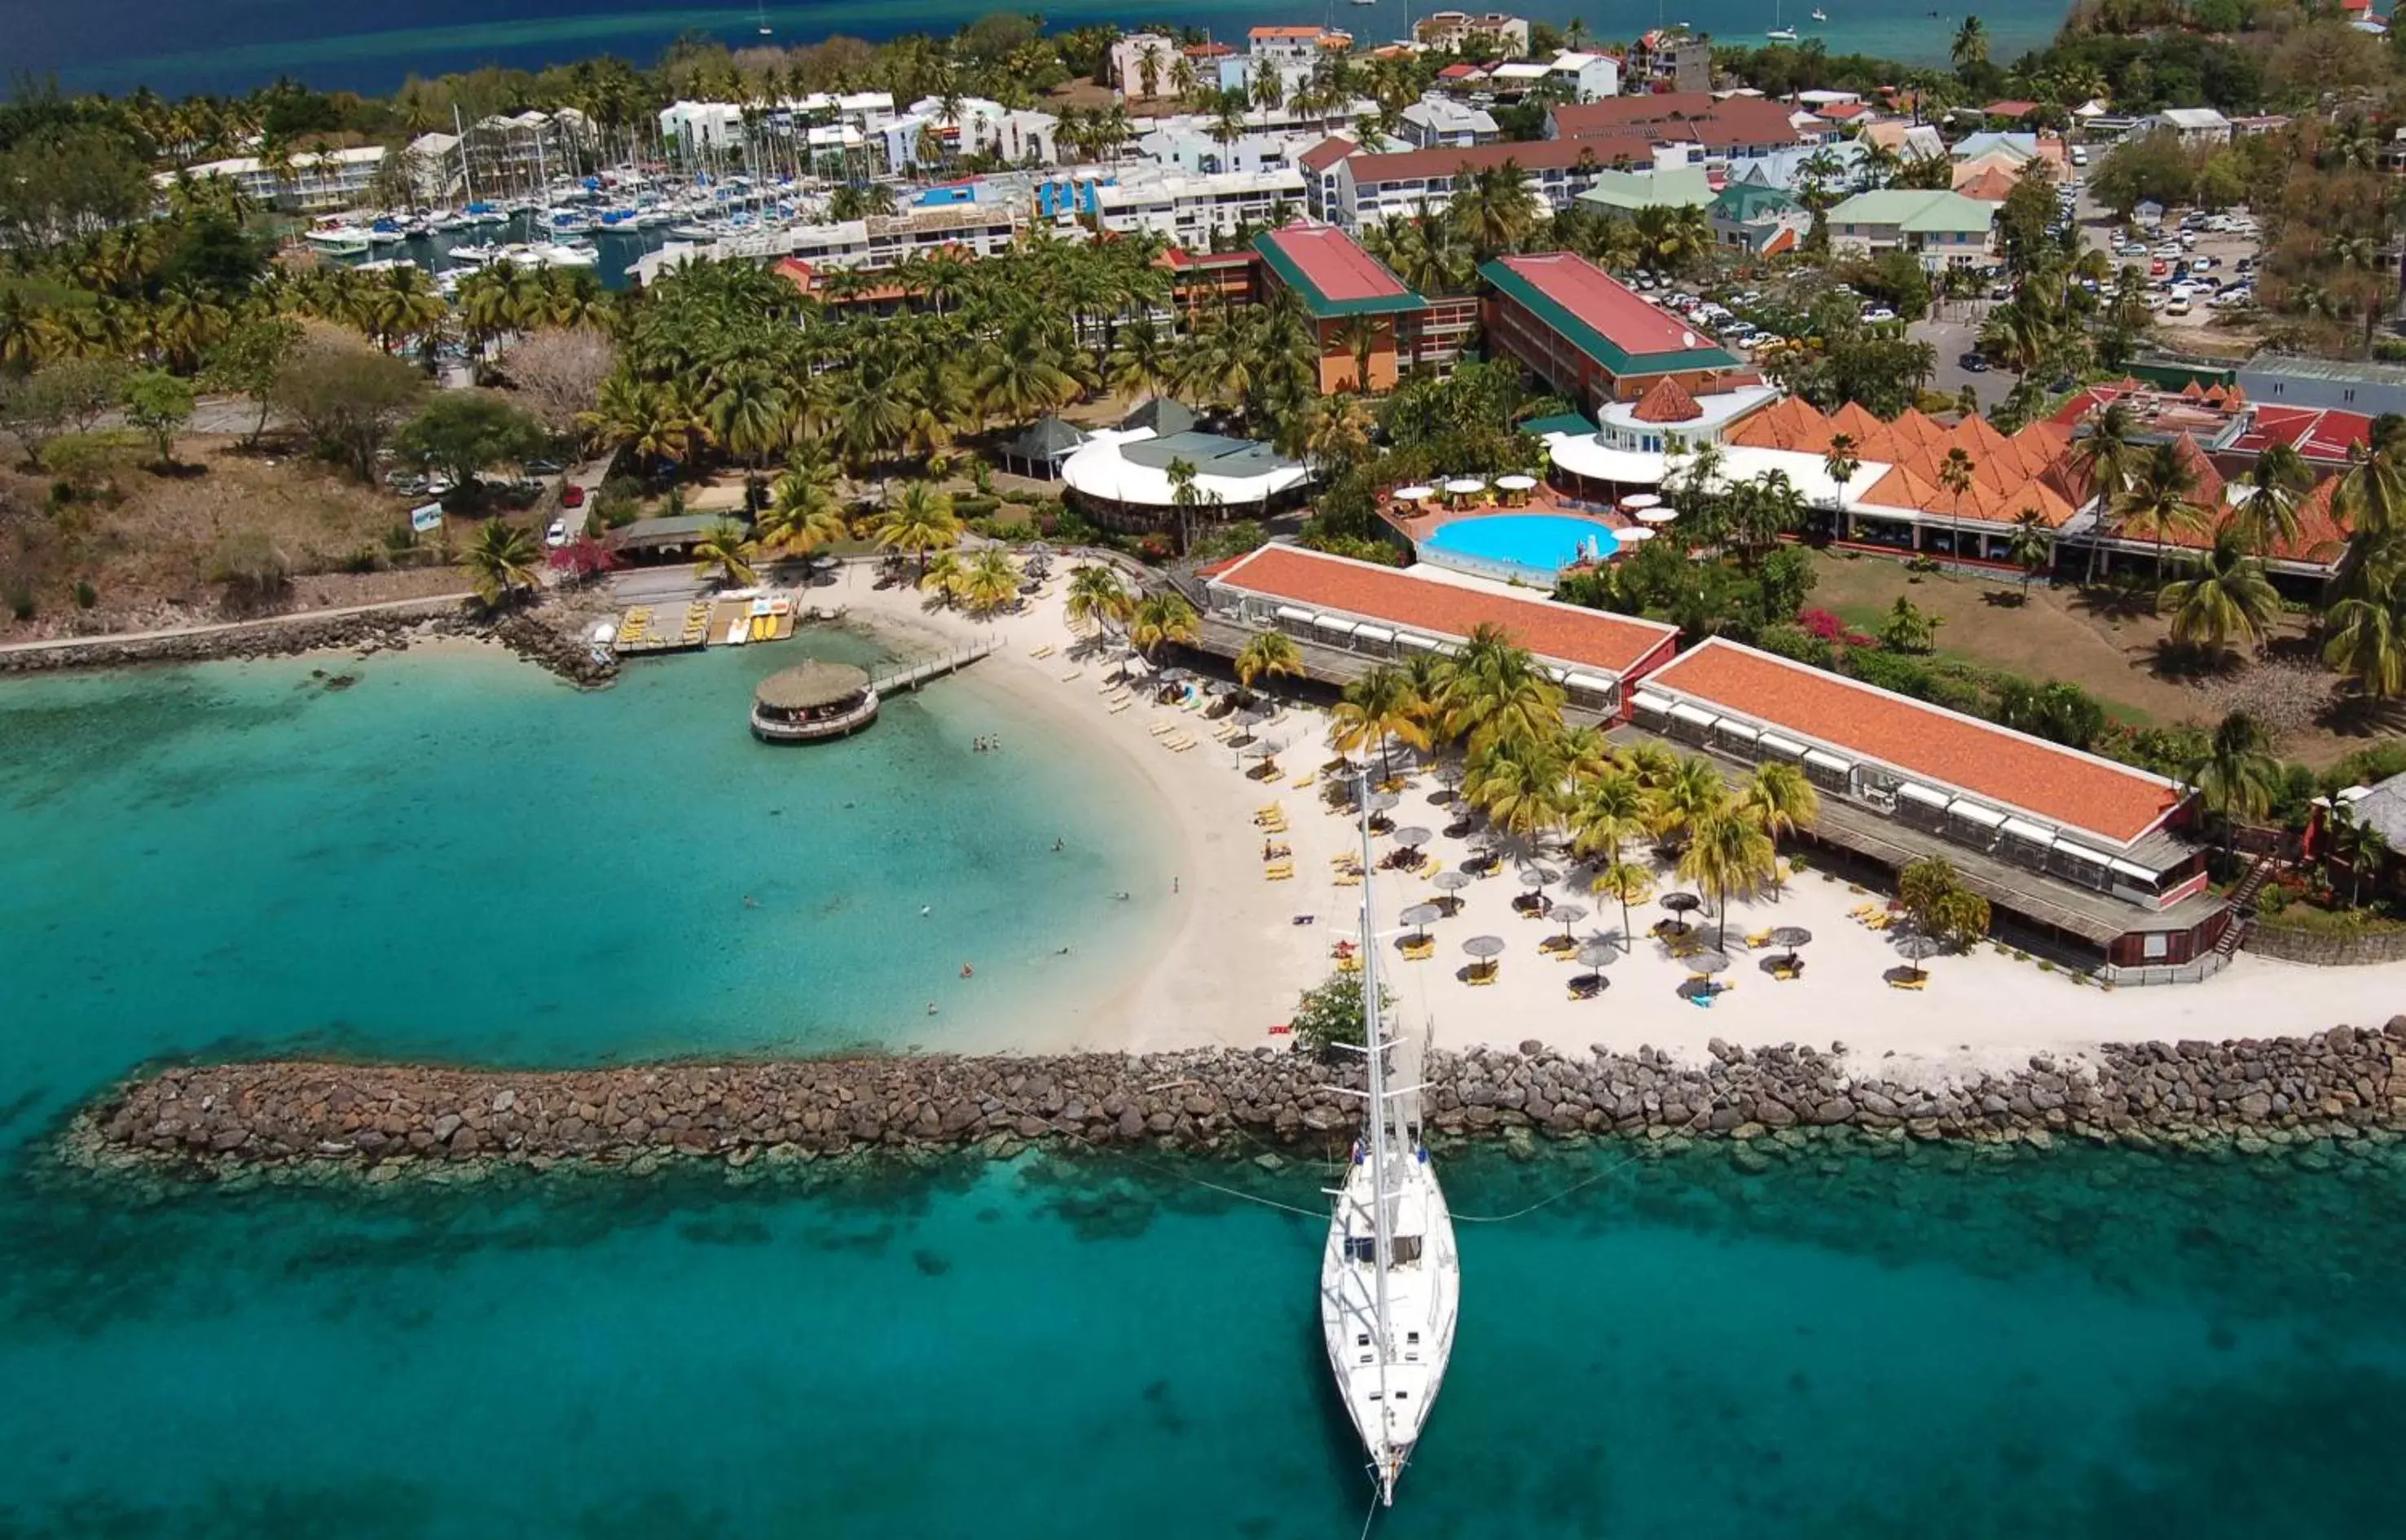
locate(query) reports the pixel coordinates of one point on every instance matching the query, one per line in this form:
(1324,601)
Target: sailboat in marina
(1390,1278)
(1780,33)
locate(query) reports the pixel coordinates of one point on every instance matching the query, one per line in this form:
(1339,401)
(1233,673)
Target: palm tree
(1970,47)
(2357,845)
(1097,597)
(944,575)
(502,560)
(1382,704)
(1781,798)
(1359,335)
(2368,640)
(1610,811)
(2236,776)
(1728,853)
(725,551)
(1518,781)
(1496,209)
(991,581)
(1184,497)
(1628,882)
(1955,474)
(1691,792)
(1162,619)
(921,522)
(1142,361)
(802,514)
(2161,500)
(1843,463)
(2276,486)
(1493,690)
(1268,653)
(2031,547)
(2225,596)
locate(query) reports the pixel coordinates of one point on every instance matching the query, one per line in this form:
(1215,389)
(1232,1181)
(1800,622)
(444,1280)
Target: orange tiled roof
(1612,642)
(2115,802)
(2027,471)
(1667,402)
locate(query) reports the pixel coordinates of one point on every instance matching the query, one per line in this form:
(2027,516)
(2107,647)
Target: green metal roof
(1594,344)
(1318,301)
(1672,187)
(1567,422)
(1917,211)
(1742,202)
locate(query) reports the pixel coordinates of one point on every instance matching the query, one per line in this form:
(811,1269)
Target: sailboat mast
(1374,1038)
(467,176)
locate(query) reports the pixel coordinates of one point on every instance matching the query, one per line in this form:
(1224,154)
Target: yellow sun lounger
(1277,873)
(1046,651)
(1349,879)
(1067,674)
(1118,706)
(1160,728)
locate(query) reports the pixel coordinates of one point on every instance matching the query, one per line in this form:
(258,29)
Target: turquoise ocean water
(458,858)
(177,49)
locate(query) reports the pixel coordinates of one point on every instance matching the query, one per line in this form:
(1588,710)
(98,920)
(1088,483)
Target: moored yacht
(1390,1278)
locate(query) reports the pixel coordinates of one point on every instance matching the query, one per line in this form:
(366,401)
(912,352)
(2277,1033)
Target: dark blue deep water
(231,45)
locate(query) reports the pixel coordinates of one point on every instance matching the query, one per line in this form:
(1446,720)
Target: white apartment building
(1445,30)
(1296,45)
(1187,144)
(318,183)
(1369,188)
(880,241)
(1019,137)
(719,125)
(1190,209)
(1434,121)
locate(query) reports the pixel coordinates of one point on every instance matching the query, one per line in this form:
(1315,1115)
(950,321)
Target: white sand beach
(1238,960)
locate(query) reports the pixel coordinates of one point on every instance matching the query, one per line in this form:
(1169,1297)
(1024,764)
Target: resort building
(1143,67)
(1455,32)
(1298,45)
(879,241)
(1591,77)
(1671,59)
(1725,131)
(1944,229)
(1349,616)
(1122,476)
(2197,128)
(1191,209)
(317,181)
(1590,336)
(1211,282)
(2352,386)
(1362,312)
(1369,188)
(1635,444)
(2084,852)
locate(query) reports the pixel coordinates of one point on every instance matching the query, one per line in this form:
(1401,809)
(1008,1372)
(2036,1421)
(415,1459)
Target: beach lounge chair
(1117,706)
(1067,674)
(1484,975)
(1181,745)
(1418,952)
(1043,652)
(1279,871)
(1348,964)
(1160,728)
(1907,981)
(1758,939)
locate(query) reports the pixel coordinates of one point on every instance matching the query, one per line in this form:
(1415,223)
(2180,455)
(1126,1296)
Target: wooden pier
(913,676)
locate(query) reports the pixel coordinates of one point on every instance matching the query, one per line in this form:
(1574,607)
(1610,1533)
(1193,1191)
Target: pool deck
(1417,523)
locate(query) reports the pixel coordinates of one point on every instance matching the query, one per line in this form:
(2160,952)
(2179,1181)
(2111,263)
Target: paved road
(1952,337)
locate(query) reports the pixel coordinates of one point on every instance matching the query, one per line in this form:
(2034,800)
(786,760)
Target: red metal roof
(1335,263)
(2115,802)
(1455,160)
(1679,116)
(1605,302)
(1614,643)
(1326,154)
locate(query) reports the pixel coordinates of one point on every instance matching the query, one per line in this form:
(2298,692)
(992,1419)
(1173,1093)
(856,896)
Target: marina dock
(912,676)
(730,620)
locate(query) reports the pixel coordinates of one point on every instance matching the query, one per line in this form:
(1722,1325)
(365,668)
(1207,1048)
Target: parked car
(1972,362)
(2157,268)
(557,535)
(573,497)
(543,467)
(1879,313)
(2178,307)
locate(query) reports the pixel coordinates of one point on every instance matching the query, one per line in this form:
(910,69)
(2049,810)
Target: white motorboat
(1820,15)
(1781,35)
(473,253)
(1390,1278)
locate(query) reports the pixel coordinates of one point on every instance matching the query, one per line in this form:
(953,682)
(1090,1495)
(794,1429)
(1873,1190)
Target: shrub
(1890,672)
(974,505)
(20,603)
(1799,643)
(86,596)
(252,566)
(1331,1013)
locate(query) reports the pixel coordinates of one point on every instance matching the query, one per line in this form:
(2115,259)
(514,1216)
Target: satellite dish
(1687,339)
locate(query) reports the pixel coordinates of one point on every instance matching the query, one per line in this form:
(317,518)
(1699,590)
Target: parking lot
(2199,266)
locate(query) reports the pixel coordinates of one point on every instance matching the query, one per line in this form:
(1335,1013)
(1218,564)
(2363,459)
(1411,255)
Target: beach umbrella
(1538,876)
(1417,916)
(1484,947)
(1569,914)
(1253,716)
(1708,961)
(1790,937)
(1412,837)
(1919,947)
(1681,903)
(1382,801)
(1595,957)
(1451,883)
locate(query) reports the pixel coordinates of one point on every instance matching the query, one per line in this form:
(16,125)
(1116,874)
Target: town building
(1592,76)
(1320,181)
(1590,336)
(929,135)
(1143,66)
(1491,33)
(2089,856)
(1759,219)
(973,229)
(1944,229)
(1724,132)
(1670,183)
(2197,128)
(1363,314)
(1121,476)
(1670,59)
(1347,617)
(1305,46)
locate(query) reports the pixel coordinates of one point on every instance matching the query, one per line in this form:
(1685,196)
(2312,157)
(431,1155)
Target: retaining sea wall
(2270,938)
(285,636)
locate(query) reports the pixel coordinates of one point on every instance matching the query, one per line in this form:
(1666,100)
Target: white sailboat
(1780,33)
(1390,1280)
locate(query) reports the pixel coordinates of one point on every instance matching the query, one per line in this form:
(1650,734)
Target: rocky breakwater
(365,633)
(2342,1084)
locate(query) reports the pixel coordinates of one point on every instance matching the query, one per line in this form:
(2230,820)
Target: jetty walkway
(911,677)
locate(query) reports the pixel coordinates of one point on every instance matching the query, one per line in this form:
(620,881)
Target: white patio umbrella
(1413,494)
(1657,515)
(1632,537)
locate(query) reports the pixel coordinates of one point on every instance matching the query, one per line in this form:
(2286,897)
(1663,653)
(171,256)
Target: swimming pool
(1531,547)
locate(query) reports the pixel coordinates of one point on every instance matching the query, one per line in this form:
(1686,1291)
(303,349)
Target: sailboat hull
(1388,1390)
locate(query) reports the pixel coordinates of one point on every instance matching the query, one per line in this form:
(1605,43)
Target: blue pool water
(1531,546)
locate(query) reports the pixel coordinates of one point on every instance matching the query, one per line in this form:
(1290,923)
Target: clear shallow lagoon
(2084,1346)
(459,857)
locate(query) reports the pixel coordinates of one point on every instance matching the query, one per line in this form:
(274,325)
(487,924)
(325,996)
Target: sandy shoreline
(1237,961)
